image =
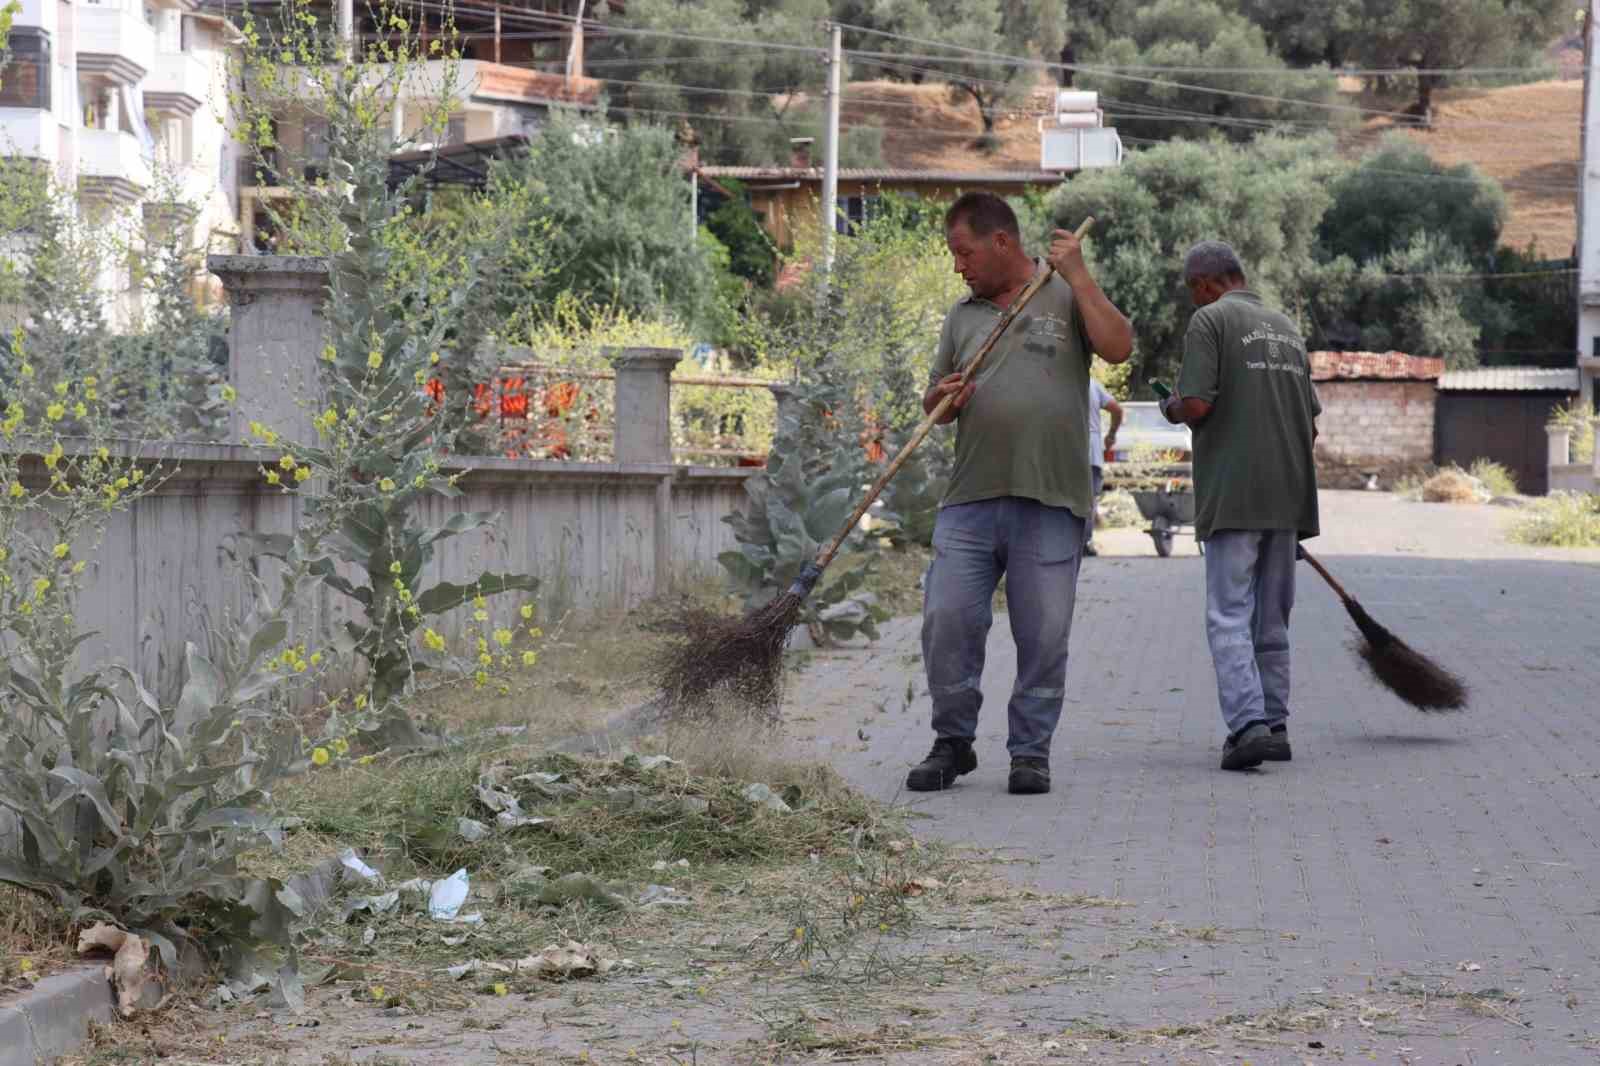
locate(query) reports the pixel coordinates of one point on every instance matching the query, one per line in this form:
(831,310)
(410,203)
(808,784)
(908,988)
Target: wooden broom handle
(1319,568)
(968,372)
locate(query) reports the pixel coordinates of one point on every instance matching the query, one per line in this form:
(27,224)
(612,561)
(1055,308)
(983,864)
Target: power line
(1024,61)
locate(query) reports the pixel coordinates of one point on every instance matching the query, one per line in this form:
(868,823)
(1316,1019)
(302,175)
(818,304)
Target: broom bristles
(741,658)
(1403,670)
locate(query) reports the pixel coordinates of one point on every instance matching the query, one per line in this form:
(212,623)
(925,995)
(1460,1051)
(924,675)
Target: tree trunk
(1423,108)
(987,103)
(1069,56)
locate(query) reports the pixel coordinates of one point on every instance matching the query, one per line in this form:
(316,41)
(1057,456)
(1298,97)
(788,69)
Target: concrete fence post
(783,394)
(644,435)
(644,403)
(274,340)
(1560,438)
(1594,458)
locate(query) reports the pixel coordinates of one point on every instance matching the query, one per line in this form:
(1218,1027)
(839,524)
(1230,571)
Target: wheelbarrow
(1168,510)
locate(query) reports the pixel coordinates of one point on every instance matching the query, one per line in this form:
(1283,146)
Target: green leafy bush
(1562,520)
(794,507)
(1495,477)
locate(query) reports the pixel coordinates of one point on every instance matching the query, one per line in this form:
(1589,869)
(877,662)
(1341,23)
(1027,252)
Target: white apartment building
(126,101)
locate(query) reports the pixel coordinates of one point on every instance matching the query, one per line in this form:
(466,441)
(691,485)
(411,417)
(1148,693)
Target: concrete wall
(588,531)
(1383,426)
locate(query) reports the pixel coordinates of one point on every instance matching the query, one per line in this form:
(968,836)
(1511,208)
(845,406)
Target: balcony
(30,133)
(115,41)
(111,165)
(179,83)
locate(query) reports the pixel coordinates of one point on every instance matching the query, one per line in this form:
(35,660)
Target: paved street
(1399,852)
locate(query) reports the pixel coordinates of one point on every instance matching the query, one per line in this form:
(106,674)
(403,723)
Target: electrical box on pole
(1078,138)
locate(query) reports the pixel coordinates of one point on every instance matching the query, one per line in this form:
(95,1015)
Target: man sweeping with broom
(1020,492)
(1245,388)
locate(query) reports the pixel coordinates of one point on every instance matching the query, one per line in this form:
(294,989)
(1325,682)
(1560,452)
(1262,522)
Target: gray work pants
(1038,549)
(1249,594)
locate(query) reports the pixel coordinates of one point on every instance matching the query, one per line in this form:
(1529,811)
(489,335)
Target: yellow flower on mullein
(55,412)
(60,551)
(374,360)
(302,473)
(229,394)
(320,756)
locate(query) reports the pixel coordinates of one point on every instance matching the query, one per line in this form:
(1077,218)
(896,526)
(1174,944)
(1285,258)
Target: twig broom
(1402,669)
(744,656)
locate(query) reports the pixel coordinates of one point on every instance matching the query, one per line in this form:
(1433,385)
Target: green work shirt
(1025,432)
(1252,455)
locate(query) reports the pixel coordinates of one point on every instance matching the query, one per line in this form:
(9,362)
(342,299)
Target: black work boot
(1247,748)
(949,759)
(1278,745)
(1029,777)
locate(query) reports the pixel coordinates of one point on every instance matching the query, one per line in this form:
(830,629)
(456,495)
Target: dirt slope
(1526,136)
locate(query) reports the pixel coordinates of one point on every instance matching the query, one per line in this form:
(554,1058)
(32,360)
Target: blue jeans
(1038,548)
(1249,594)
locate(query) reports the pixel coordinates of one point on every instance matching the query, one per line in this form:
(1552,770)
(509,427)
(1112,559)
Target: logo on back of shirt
(1276,358)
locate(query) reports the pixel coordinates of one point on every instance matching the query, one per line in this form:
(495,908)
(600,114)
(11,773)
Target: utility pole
(1589,217)
(347,28)
(830,144)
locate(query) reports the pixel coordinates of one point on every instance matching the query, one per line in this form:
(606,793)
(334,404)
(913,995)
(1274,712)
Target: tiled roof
(1374,366)
(891,174)
(1512,379)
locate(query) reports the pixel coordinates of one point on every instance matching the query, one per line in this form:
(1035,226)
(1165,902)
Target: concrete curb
(53,1018)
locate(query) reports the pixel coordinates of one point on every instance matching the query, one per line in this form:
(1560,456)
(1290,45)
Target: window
(27,78)
(185,34)
(456,132)
(854,210)
(315,141)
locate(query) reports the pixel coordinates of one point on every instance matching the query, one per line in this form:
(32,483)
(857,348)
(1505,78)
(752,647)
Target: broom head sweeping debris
(1403,670)
(733,658)
(1398,666)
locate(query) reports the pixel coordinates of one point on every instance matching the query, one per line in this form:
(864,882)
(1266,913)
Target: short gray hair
(1212,259)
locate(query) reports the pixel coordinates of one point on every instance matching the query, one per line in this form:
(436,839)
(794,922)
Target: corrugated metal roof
(1511,379)
(1373,366)
(890,174)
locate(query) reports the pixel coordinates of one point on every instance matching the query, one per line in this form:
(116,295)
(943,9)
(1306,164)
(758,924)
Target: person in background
(1099,400)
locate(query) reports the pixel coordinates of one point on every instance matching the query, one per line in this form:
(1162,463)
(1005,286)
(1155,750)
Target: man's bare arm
(1109,330)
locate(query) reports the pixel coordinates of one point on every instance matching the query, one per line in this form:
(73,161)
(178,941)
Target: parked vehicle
(1147,436)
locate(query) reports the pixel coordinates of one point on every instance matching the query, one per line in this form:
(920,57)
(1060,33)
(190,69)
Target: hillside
(1525,136)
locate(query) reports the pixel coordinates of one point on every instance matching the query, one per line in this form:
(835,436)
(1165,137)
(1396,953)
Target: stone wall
(1382,426)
